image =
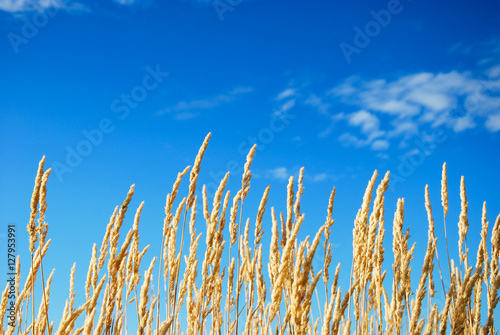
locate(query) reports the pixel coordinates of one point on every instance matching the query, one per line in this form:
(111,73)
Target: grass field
(206,293)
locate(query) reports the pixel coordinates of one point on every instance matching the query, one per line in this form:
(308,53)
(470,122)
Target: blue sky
(123,92)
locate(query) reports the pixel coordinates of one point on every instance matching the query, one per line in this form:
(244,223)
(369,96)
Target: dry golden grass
(215,296)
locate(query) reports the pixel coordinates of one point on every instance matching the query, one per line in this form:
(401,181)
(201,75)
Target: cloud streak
(16,6)
(282,173)
(184,110)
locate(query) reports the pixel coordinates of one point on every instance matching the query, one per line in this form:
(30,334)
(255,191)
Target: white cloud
(382,155)
(287,99)
(125,2)
(384,112)
(283,174)
(395,107)
(185,116)
(346,88)
(280,173)
(493,122)
(317,102)
(334,119)
(380,145)
(351,140)
(381,111)
(409,104)
(283,108)
(327,131)
(286,93)
(320,177)
(367,121)
(409,95)
(494,72)
(14,6)
(463,123)
(369,124)
(241,89)
(182,107)
(404,128)
(431,100)
(287,105)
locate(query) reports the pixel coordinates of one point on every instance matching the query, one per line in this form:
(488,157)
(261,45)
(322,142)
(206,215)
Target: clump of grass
(206,294)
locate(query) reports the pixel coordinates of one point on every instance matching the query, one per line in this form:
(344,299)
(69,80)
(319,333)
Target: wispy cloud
(493,122)
(15,6)
(380,145)
(190,109)
(407,96)
(369,126)
(317,102)
(494,72)
(286,99)
(411,103)
(368,122)
(404,128)
(333,120)
(286,93)
(283,174)
(279,173)
(23,6)
(323,176)
(286,106)
(126,2)
(380,111)
(425,98)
